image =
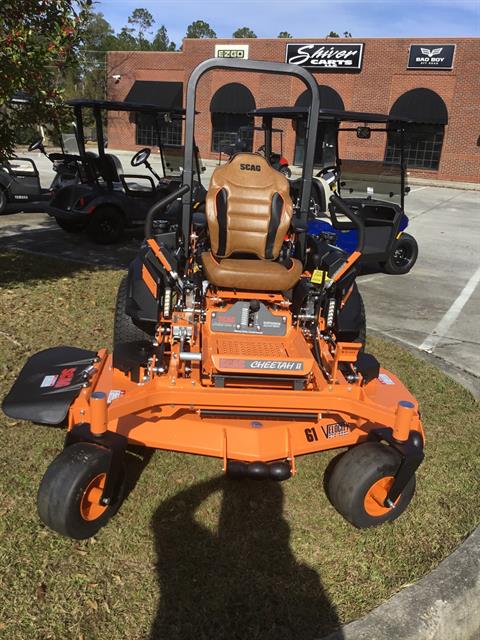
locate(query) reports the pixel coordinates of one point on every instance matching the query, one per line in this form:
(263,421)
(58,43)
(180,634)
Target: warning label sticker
(49,381)
(114,394)
(384,379)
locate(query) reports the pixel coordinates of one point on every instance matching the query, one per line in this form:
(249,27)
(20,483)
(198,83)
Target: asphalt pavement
(435,309)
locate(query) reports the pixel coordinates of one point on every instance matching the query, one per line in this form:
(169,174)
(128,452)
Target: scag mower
(245,363)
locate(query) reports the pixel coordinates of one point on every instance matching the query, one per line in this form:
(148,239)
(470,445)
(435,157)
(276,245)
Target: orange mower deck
(182,414)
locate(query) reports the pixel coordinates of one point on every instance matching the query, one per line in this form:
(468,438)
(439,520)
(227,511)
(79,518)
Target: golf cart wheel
(360,481)
(3,200)
(403,256)
(106,225)
(68,499)
(124,329)
(70,227)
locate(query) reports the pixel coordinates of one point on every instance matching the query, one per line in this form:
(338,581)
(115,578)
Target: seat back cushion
(248,208)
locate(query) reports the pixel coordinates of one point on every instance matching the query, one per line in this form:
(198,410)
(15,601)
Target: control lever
(253,309)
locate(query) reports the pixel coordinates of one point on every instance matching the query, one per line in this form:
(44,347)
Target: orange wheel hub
(375,497)
(90,507)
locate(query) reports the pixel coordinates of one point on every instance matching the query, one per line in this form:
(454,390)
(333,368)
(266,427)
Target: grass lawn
(190,554)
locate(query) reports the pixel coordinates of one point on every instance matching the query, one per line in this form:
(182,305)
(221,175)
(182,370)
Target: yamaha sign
(431,56)
(326,56)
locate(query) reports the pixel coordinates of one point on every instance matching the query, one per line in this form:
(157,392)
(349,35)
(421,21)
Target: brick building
(434,81)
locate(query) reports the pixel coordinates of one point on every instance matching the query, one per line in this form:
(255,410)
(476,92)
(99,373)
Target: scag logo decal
(250,167)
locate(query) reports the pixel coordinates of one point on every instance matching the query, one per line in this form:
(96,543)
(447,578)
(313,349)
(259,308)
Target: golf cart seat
(249,211)
(110,167)
(111,170)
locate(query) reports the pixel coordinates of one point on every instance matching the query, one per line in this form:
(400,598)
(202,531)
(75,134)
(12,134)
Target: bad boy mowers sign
(326,56)
(431,56)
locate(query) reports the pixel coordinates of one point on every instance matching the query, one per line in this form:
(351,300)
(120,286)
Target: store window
(424,136)
(422,146)
(149,127)
(229,109)
(325,150)
(167,97)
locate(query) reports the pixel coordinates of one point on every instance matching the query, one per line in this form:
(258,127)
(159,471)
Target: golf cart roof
(331,115)
(117,105)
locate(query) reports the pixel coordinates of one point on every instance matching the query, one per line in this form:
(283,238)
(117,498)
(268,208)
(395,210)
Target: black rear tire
(106,225)
(359,332)
(62,491)
(353,477)
(403,255)
(124,329)
(70,227)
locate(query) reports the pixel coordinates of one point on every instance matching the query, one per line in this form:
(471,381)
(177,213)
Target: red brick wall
(382,80)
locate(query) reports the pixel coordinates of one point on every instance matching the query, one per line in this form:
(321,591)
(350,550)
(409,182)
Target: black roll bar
(311,132)
(160,205)
(342,206)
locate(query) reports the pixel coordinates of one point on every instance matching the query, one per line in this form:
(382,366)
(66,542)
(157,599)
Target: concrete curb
(461,376)
(444,605)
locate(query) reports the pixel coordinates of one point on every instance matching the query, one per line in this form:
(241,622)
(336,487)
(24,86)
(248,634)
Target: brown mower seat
(249,210)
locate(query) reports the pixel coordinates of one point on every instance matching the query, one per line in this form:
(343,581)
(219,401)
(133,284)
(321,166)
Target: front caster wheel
(68,499)
(360,481)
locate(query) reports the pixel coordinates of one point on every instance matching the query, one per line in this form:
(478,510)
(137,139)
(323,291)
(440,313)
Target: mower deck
(183,414)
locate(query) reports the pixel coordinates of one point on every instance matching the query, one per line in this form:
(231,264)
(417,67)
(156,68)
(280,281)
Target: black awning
(329,98)
(232,98)
(332,115)
(114,105)
(164,95)
(422,106)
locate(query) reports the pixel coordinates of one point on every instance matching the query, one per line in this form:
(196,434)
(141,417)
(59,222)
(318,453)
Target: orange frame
(164,412)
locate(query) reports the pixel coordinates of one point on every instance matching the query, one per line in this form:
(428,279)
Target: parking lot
(434,309)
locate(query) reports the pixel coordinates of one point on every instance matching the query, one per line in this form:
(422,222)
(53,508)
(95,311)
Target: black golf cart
(106,200)
(20,188)
(374,189)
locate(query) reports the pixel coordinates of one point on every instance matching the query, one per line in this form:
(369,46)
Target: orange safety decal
(149,281)
(158,252)
(351,260)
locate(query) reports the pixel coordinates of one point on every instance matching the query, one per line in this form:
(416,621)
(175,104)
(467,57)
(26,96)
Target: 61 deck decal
(335,430)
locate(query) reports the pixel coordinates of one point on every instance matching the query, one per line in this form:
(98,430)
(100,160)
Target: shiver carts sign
(326,56)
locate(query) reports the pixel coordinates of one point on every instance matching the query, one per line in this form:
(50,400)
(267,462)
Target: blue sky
(307,18)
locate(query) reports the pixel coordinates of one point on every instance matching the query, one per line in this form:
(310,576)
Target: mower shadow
(240,580)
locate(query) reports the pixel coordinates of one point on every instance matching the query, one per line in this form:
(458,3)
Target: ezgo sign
(326,56)
(431,56)
(232,51)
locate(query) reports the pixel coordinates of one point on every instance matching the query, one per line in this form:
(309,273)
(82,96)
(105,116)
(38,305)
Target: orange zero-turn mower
(230,341)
